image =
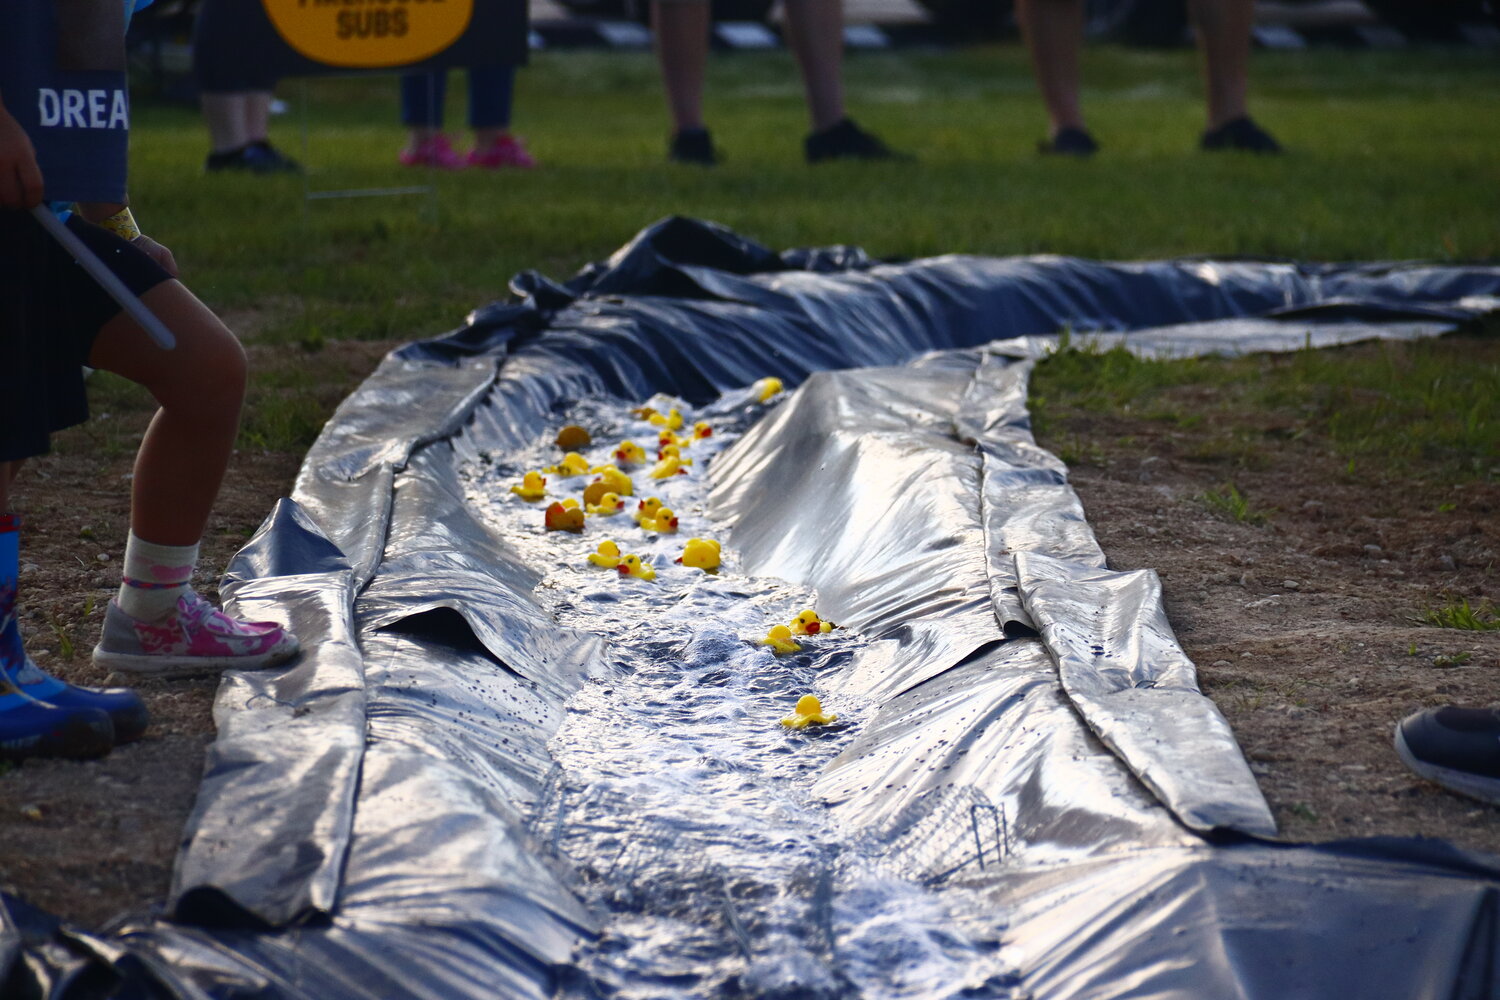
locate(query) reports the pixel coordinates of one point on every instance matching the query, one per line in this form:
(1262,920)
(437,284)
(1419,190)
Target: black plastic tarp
(366,823)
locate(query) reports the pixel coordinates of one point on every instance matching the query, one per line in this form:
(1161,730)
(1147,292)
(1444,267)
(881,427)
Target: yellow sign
(369,34)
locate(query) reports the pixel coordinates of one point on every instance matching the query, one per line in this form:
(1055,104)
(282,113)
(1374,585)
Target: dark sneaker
(1069,141)
(256,158)
(693,145)
(1240,134)
(847,141)
(1459,748)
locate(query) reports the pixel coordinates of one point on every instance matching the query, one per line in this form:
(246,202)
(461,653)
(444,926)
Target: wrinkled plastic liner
(386,817)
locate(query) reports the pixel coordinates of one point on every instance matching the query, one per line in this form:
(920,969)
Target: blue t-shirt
(64,83)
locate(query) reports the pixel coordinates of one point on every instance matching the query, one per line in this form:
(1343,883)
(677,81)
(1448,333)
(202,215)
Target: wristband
(122,224)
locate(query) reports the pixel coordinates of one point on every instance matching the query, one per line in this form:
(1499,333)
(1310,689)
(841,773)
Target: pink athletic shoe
(506,151)
(436,151)
(197,639)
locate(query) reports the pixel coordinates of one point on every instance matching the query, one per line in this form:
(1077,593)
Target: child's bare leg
(200,385)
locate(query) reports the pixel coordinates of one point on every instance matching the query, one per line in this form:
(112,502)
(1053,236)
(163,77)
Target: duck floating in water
(780,640)
(564,516)
(609,505)
(808,623)
(615,480)
(700,553)
(629,453)
(664,523)
(533,486)
(572,464)
(607,556)
(643,412)
(809,712)
(632,566)
(573,437)
(701,430)
(646,510)
(666,439)
(767,387)
(671,465)
(671,420)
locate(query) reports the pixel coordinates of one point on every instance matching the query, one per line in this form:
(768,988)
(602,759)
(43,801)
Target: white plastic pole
(106,278)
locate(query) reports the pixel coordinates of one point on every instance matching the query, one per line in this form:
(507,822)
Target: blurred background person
(237,110)
(1054,36)
(491,92)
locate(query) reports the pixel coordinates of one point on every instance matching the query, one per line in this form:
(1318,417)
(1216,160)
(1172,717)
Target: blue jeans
(490,89)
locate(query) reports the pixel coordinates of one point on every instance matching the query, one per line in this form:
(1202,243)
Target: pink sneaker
(434,152)
(506,151)
(198,639)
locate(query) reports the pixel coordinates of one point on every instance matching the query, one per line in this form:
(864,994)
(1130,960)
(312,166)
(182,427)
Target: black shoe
(1069,141)
(692,145)
(257,158)
(1459,748)
(1240,134)
(847,141)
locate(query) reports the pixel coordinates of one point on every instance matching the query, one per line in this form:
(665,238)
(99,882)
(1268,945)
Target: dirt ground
(1305,626)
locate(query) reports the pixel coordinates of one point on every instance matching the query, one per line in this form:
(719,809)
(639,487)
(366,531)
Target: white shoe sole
(190,666)
(1475,786)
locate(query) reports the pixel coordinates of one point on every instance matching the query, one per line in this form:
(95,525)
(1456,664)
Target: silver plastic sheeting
(367,823)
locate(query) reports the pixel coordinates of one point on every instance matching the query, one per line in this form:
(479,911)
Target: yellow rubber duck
(670,466)
(672,451)
(573,437)
(808,623)
(666,438)
(671,420)
(643,412)
(809,712)
(646,510)
(780,640)
(665,522)
(616,480)
(608,555)
(608,506)
(700,553)
(701,430)
(564,516)
(629,453)
(572,464)
(632,566)
(767,387)
(533,486)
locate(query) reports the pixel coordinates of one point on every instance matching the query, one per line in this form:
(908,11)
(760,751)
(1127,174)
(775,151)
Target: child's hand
(20,177)
(156,252)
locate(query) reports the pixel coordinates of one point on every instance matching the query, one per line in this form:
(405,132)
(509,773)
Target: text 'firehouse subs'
(369,33)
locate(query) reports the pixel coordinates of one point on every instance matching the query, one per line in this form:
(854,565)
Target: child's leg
(491,94)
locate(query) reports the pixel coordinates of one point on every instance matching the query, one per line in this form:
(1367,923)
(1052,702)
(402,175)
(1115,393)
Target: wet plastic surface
(384,803)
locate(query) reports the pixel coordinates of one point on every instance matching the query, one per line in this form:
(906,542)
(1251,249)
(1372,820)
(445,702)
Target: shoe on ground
(197,638)
(1240,134)
(1069,141)
(435,151)
(1459,748)
(127,713)
(693,146)
(506,151)
(31,728)
(847,141)
(258,157)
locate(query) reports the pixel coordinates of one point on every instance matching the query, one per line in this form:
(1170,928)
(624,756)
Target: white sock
(155,576)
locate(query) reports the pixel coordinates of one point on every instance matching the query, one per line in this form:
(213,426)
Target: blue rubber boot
(30,727)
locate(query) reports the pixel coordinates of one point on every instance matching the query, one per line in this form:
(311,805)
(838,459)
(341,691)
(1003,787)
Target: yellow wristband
(122,224)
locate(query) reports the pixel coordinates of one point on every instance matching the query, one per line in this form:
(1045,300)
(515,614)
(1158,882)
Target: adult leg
(815,32)
(681,28)
(225,115)
(1223,29)
(1054,37)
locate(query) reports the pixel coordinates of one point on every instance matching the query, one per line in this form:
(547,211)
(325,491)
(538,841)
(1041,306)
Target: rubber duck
(667,439)
(564,516)
(643,412)
(671,465)
(671,420)
(572,464)
(700,553)
(665,522)
(607,556)
(573,437)
(615,480)
(808,623)
(629,453)
(702,430)
(533,486)
(673,451)
(608,506)
(632,566)
(646,510)
(767,387)
(809,712)
(780,640)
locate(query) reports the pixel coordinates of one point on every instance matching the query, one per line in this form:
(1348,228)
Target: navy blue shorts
(50,313)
